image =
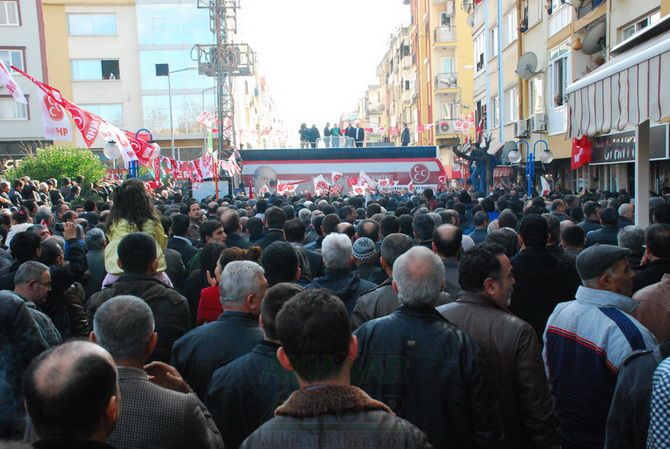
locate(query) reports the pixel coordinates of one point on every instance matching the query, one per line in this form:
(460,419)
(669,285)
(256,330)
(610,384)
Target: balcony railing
(445,35)
(446,81)
(407,96)
(587,7)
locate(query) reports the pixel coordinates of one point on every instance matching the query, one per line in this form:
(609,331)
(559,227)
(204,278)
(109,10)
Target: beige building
(559,43)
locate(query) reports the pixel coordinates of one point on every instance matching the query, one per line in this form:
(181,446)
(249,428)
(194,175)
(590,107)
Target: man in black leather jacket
(423,367)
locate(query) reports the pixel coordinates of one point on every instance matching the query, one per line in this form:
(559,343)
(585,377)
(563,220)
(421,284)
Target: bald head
(447,240)
(71,392)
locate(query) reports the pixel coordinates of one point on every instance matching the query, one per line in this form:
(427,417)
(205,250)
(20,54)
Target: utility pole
(224,60)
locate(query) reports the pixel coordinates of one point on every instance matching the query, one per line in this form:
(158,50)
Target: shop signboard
(620,147)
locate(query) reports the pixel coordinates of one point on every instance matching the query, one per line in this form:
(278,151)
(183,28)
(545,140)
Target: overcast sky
(318,56)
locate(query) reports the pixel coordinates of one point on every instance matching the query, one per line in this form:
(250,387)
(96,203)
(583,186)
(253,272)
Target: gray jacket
(335,417)
(155,417)
(381,301)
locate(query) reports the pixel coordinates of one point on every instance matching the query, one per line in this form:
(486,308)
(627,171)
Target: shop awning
(630,88)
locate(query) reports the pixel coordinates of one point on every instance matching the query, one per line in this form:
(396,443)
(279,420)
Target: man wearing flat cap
(586,342)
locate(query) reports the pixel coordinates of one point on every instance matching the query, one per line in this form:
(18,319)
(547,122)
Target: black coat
(244,394)
(56,305)
(606,235)
(236,241)
(431,374)
(167,304)
(273,235)
(193,286)
(187,251)
(542,281)
(650,273)
(628,419)
(200,352)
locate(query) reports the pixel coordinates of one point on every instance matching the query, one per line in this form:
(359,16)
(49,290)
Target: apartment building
(22,44)
(132,62)
(442,50)
(257,122)
(526,54)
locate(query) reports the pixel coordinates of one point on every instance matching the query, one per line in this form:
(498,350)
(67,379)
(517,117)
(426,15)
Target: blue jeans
(478,178)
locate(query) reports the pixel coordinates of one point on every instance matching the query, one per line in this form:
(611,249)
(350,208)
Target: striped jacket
(585,344)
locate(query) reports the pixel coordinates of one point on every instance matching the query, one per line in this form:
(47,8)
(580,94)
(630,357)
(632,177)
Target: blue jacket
(585,344)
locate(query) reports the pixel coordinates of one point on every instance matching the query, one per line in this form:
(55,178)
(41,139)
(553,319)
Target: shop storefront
(611,165)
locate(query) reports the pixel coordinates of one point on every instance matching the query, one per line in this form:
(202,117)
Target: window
(558,70)
(9,13)
(448,111)
(480,112)
(92,24)
(630,30)
(445,19)
(510,24)
(12,110)
(493,51)
(511,105)
(536,95)
(95,69)
(447,65)
(407,85)
(534,12)
(495,112)
(12,57)
(113,113)
(480,64)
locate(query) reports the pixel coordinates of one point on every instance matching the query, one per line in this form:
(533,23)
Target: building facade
(22,44)
(526,53)
(441,40)
(132,62)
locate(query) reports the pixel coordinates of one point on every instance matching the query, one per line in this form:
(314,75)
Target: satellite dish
(595,39)
(527,65)
(471,20)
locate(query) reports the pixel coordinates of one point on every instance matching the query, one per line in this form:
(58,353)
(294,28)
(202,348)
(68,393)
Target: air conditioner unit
(449,10)
(539,124)
(522,128)
(443,127)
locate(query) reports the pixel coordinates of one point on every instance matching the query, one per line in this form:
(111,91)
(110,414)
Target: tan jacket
(654,309)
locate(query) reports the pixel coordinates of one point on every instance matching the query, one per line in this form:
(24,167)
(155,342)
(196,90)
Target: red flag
(582,149)
(88,123)
(352,181)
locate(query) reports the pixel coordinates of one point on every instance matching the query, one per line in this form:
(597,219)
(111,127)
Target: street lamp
(515,157)
(170,72)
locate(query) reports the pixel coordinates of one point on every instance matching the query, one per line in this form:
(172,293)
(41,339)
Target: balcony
(587,7)
(444,35)
(445,82)
(407,96)
(560,18)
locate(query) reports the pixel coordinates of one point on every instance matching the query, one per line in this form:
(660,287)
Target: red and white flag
(358,190)
(8,82)
(234,167)
(87,123)
(111,133)
(336,176)
(546,188)
(410,186)
(320,184)
(365,179)
(54,121)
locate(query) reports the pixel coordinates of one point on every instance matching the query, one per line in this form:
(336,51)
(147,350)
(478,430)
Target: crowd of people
(146,319)
(333,136)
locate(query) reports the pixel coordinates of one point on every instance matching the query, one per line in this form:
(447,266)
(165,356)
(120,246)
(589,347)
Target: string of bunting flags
(131,147)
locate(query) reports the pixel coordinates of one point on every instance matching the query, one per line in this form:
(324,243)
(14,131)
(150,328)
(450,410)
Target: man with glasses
(32,283)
